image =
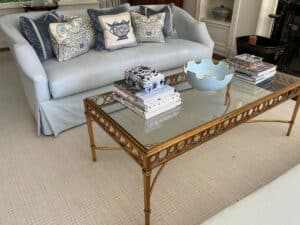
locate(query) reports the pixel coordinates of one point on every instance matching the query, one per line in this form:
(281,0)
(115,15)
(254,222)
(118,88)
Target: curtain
(109,3)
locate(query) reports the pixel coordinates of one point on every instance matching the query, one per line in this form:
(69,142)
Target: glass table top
(198,108)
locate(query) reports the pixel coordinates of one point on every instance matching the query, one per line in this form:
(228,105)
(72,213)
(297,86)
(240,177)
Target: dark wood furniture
(148,2)
(28,8)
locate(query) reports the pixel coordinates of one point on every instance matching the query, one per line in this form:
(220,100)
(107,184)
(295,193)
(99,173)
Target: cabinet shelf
(217,22)
(245,14)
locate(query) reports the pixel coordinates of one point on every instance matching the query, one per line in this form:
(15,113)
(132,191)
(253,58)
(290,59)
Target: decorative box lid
(144,77)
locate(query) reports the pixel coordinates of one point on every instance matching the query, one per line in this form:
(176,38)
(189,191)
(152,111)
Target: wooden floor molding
(4,49)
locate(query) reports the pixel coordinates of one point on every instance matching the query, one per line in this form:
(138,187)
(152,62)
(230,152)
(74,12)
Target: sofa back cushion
(87,25)
(94,14)
(36,32)
(69,39)
(118,31)
(169,27)
(149,29)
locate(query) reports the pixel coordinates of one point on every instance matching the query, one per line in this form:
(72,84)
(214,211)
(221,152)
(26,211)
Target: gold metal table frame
(158,155)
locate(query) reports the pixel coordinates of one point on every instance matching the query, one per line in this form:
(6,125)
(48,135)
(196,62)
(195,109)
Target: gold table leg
(148,189)
(291,122)
(227,97)
(297,106)
(147,195)
(89,121)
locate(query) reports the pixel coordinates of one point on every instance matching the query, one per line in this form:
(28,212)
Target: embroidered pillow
(69,39)
(148,29)
(118,31)
(94,14)
(169,27)
(36,32)
(87,25)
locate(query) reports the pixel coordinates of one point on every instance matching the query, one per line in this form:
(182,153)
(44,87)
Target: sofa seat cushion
(97,69)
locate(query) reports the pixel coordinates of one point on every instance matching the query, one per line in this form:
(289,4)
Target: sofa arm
(11,31)
(32,68)
(190,29)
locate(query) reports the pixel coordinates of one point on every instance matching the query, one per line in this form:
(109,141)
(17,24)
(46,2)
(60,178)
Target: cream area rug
(52,181)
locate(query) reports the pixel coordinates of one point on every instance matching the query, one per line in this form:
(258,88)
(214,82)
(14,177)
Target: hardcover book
(256,70)
(147,115)
(148,106)
(247,59)
(253,80)
(143,97)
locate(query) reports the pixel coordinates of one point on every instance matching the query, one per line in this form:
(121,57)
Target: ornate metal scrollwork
(99,117)
(222,125)
(103,99)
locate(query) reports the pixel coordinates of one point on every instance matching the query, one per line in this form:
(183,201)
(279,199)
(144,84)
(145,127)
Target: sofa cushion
(94,14)
(87,25)
(69,39)
(96,69)
(149,29)
(36,32)
(169,27)
(118,31)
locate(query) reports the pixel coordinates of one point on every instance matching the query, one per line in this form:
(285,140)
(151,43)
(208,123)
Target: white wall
(190,6)
(265,23)
(250,9)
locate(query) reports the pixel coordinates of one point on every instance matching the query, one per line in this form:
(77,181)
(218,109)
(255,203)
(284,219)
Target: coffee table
(202,116)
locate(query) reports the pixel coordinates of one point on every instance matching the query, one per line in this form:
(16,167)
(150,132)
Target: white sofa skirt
(58,115)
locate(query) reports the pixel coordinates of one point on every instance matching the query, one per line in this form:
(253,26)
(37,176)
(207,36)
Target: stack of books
(144,91)
(252,69)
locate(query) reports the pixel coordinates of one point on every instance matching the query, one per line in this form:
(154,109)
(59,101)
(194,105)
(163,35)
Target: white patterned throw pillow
(117,30)
(149,29)
(69,39)
(87,25)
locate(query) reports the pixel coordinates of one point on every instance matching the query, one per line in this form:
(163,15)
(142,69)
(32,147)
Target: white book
(142,96)
(163,109)
(148,106)
(156,94)
(154,105)
(261,74)
(250,81)
(148,115)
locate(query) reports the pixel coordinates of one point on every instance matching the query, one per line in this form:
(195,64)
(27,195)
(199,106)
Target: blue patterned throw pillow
(95,14)
(148,29)
(36,32)
(169,27)
(118,31)
(69,39)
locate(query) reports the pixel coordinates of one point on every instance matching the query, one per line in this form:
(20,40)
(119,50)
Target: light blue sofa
(55,90)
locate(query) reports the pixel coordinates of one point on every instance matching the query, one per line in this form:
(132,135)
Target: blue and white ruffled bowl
(207,76)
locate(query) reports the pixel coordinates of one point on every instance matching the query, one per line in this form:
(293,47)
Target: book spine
(156,95)
(245,77)
(130,106)
(143,101)
(130,98)
(151,105)
(163,109)
(147,115)
(165,100)
(256,74)
(266,77)
(119,88)
(253,81)
(250,78)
